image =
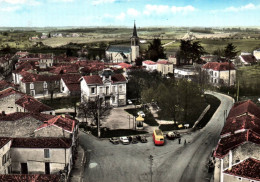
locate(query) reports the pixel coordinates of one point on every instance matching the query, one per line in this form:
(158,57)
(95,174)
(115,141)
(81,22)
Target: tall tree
(230,52)
(155,51)
(196,52)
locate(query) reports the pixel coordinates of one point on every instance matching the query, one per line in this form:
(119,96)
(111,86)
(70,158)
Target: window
(46,153)
(120,88)
(215,73)
(45,85)
(4,159)
(31,86)
(93,90)
(240,179)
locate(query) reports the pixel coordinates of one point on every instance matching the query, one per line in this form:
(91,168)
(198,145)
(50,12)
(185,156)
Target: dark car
(130,138)
(134,140)
(142,139)
(114,140)
(173,135)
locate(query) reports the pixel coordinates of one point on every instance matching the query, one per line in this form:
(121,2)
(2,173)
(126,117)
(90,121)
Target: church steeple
(134,31)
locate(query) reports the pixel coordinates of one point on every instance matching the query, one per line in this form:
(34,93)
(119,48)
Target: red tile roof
(9,91)
(30,177)
(249,58)
(30,77)
(63,69)
(65,123)
(94,79)
(216,66)
(118,78)
(41,143)
(149,62)
(163,62)
(32,105)
(125,65)
(3,141)
(4,84)
(244,107)
(239,123)
(72,81)
(233,141)
(249,168)
(20,115)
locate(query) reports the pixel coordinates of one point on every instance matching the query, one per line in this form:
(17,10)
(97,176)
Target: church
(124,53)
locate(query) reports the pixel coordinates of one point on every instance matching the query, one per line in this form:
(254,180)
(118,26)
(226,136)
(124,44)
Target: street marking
(93,165)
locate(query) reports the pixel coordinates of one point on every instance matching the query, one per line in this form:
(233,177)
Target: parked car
(130,138)
(114,140)
(124,140)
(134,140)
(142,139)
(173,135)
(141,113)
(129,102)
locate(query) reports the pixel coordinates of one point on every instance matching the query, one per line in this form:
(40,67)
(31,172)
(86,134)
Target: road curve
(172,162)
(189,163)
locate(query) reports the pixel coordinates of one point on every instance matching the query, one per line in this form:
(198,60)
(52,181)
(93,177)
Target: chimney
(3,113)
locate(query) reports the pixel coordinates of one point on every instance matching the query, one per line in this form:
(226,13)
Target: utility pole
(237,90)
(98,121)
(151,167)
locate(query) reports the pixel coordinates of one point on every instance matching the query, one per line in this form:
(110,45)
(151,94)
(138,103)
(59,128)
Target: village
(57,109)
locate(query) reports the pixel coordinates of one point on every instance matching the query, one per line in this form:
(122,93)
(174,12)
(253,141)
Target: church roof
(119,48)
(134,31)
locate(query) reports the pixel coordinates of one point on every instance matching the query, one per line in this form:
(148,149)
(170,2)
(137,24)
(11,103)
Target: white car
(124,140)
(141,113)
(129,101)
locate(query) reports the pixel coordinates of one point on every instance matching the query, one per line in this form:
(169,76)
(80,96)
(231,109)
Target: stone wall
(7,104)
(52,131)
(230,178)
(21,128)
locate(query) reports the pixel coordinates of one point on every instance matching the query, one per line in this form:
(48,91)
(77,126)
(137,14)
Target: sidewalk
(78,169)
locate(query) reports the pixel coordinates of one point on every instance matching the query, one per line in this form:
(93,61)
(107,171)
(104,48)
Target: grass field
(249,81)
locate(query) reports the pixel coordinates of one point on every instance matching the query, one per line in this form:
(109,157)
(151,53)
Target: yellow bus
(158,137)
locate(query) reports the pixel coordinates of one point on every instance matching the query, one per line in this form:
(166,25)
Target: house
(60,126)
(5,159)
(219,73)
(209,58)
(149,65)
(123,53)
(21,54)
(6,65)
(108,86)
(70,84)
(172,59)
(164,67)
(246,170)
(8,97)
(29,104)
(43,60)
(239,144)
(247,59)
(186,72)
(21,124)
(39,85)
(31,177)
(256,53)
(41,155)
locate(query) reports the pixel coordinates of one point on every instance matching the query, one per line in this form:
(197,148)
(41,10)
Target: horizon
(149,13)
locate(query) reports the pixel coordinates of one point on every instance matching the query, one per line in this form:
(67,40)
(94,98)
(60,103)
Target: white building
(187,72)
(256,53)
(109,87)
(41,155)
(5,160)
(219,73)
(149,65)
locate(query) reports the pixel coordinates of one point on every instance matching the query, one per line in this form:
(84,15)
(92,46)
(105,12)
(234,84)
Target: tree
(96,109)
(155,51)
(230,52)
(190,52)
(138,61)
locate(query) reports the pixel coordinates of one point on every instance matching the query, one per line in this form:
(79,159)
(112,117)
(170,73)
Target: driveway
(171,162)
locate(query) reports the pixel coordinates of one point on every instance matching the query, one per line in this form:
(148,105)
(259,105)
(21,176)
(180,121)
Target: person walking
(179,140)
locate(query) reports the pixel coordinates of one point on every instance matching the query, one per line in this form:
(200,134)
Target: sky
(56,13)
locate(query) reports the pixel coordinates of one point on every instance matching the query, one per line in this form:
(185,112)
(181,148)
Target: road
(172,162)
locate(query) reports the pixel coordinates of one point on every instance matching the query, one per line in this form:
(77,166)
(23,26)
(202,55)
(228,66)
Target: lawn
(249,81)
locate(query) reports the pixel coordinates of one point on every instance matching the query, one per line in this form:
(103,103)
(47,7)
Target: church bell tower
(134,45)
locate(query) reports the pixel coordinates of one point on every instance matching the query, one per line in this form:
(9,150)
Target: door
(24,168)
(47,168)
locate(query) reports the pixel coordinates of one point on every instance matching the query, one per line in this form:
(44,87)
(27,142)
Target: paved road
(172,162)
